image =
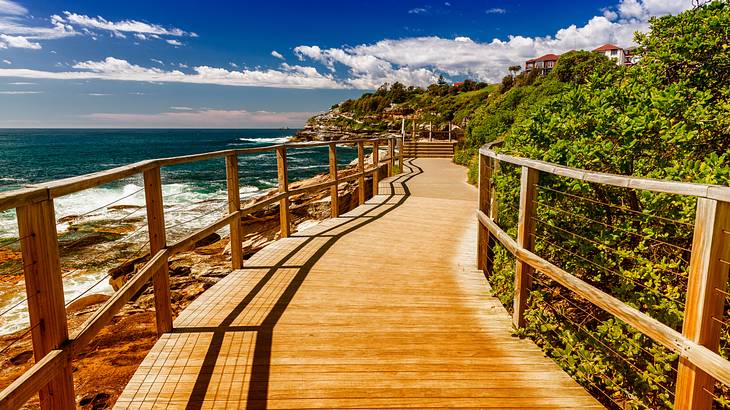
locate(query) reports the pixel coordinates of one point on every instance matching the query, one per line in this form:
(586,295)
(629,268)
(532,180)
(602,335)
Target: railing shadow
(260,367)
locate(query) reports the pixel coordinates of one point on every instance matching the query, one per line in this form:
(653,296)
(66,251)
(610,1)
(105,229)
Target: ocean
(194,194)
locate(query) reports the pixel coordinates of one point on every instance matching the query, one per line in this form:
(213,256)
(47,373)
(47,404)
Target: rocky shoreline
(328,126)
(103,369)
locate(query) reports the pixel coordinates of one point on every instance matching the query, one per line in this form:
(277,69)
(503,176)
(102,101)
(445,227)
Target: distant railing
(697,345)
(53,348)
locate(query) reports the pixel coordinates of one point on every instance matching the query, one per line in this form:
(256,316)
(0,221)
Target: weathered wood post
(526,239)
(391,156)
(158,241)
(46,306)
(376,162)
(234,205)
(449,131)
(335,199)
(485,190)
(430,131)
(704,304)
(360,170)
(414,129)
(283,175)
(403,127)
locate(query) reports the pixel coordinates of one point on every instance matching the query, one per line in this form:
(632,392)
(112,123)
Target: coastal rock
(85,302)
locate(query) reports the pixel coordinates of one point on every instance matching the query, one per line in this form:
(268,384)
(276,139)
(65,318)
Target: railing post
(391,156)
(335,199)
(704,304)
(526,239)
(234,205)
(46,305)
(401,143)
(376,162)
(484,258)
(360,170)
(283,175)
(158,241)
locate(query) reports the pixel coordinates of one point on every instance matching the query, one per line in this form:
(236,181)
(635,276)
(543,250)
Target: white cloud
(420,59)
(288,76)
(18,42)
(418,10)
(496,10)
(140,36)
(232,64)
(8,62)
(208,118)
(8,7)
(176,43)
(98,94)
(160,62)
(123,26)
(21,83)
(181,108)
(277,54)
(20,92)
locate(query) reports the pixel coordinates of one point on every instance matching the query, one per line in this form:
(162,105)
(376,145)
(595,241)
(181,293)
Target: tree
(577,66)
(514,69)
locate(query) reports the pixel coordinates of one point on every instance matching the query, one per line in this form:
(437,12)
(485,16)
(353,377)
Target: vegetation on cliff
(668,118)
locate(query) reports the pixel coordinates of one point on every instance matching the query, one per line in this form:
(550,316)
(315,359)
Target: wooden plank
(46,305)
(283,177)
(382,307)
(158,242)
(376,163)
(361,169)
(704,303)
(234,205)
(526,240)
(334,197)
(700,356)
(111,307)
(34,379)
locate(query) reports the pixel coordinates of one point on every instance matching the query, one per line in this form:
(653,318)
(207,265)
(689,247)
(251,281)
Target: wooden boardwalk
(380,308)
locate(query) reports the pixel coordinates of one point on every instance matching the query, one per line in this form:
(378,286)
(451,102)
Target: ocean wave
(274,140)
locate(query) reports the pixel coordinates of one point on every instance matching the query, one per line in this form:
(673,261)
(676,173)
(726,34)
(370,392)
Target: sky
(253,64)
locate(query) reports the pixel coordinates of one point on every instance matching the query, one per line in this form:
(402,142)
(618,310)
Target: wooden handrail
(709,191)
(34,379)
(700,364)
(54,189)
(52,346)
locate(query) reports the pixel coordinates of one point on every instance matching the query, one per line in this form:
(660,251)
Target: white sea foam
(274,140)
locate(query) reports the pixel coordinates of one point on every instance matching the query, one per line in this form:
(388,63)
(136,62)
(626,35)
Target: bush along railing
(631,301)
(53,348)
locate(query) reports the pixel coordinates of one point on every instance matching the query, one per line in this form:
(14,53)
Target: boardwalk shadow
(394,193)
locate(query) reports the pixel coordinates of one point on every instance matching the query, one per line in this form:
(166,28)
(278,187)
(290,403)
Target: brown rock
(86,301)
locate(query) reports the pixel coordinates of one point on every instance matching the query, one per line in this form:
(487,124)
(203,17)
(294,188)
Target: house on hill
(543,64)
(613,52)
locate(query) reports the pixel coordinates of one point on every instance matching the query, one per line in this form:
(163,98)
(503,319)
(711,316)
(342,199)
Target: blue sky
(270,64)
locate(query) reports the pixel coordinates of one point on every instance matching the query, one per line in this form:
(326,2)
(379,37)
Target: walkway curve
(380,308)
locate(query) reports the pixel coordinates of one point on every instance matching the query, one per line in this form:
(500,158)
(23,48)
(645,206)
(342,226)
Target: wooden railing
(697,345)
(53,348)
